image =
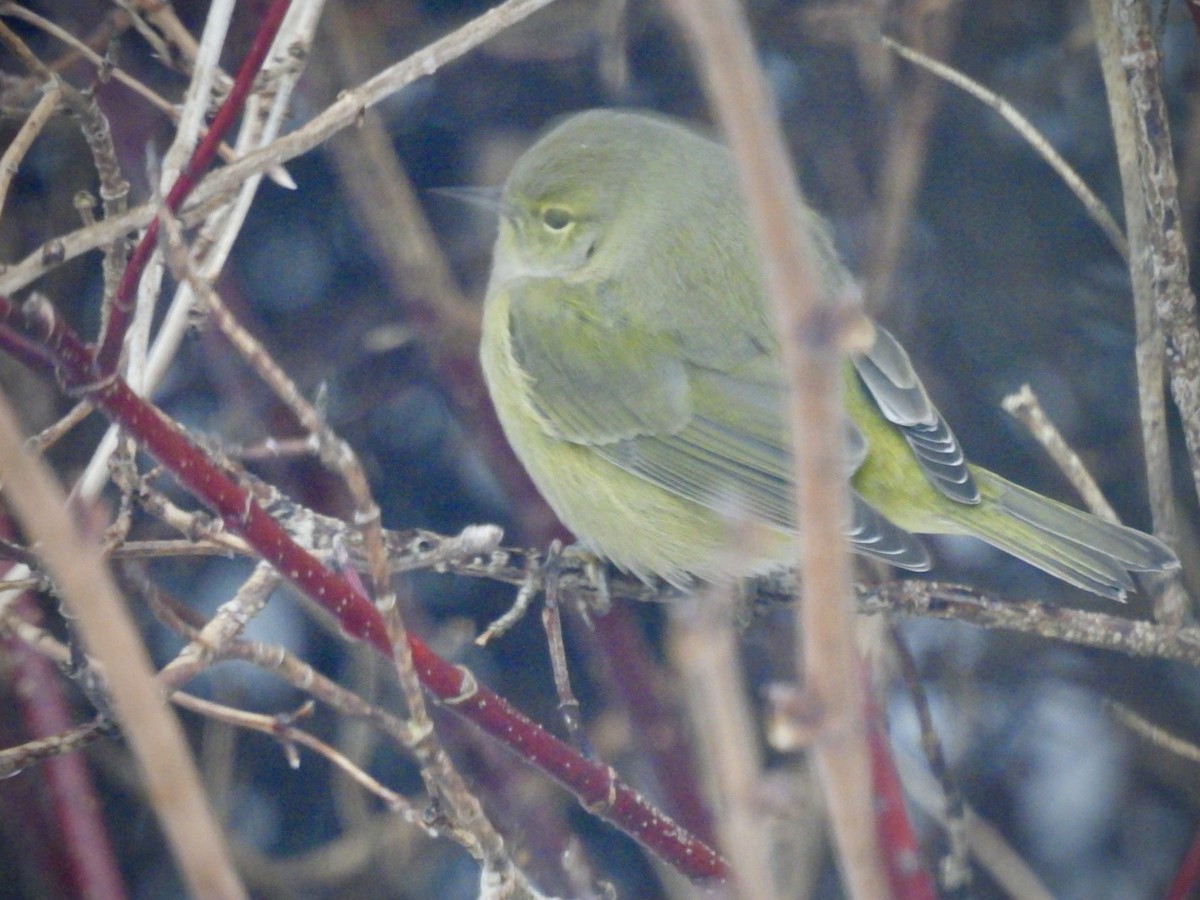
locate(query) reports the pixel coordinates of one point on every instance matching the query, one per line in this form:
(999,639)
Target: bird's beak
(488,198)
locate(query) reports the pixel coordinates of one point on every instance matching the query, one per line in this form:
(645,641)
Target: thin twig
(52,434)
(1093,204)
(14,760)
(1154,734)
(41,113)
(282,729)
(164,18)
(987,844)
(285,665)
(114,189)
(158,101)
(198,526)
(1023,405)
(932,599)
(954,873)
(226,624)
(911,111)
(167,549)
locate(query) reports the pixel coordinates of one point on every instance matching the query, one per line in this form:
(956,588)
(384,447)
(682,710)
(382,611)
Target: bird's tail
(1069,544)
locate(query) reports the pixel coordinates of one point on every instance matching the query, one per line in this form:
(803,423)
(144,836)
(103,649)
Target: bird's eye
(556,218)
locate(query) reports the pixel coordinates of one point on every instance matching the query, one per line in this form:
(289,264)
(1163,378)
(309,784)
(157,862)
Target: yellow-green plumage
(628,349)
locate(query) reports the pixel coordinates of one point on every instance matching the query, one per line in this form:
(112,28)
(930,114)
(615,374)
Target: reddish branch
(633,678)
(596,785)
(903,861)
(1187,878)
(71,830)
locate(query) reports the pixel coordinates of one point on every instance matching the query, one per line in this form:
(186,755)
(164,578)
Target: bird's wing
(712,436)
(874,535)
(893,384)
(732,454)
(594,376)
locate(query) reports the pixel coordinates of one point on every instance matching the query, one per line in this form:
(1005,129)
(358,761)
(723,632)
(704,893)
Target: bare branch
(1095,207)
(154,734)
(809,327)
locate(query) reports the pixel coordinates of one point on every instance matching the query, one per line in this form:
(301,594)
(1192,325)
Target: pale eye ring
(556,218)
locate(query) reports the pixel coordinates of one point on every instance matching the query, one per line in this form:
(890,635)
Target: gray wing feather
(897,390)
(873,535)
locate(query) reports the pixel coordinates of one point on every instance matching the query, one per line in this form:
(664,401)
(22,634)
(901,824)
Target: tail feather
(1137,551)
(1080,549)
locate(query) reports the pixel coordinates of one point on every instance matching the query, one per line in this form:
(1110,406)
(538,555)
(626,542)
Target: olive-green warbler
(629,349)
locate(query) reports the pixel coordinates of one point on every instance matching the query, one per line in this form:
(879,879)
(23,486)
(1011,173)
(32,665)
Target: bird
(629,350)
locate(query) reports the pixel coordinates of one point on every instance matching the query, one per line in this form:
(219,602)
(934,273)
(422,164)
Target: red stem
(80,854)
(596,785)
(662,735)
(1187,877)
(903,860)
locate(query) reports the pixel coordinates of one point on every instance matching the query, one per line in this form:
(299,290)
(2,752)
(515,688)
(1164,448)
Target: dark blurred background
(999,278)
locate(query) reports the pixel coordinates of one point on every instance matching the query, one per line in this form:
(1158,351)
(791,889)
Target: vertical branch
(72,821)
(809,328)
(192,114)
(173,785)
(702,643)
(1164,307)
(905,152)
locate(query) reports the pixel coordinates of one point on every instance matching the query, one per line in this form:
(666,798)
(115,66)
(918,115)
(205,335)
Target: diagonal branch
(597,786)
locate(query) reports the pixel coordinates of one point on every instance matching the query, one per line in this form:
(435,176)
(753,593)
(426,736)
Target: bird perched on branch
(629,349)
